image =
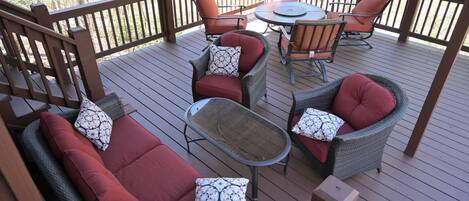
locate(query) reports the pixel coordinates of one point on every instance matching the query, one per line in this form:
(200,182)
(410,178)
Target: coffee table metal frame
(281,159)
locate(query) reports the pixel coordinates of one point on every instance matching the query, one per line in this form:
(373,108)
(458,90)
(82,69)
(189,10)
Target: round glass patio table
(240,133)
(286,13)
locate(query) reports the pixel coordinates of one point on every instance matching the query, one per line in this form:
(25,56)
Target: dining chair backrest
(207,8)
(374,8)
(316,35)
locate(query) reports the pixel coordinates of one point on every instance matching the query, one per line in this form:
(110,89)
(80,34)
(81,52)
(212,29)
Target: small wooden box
(333,189)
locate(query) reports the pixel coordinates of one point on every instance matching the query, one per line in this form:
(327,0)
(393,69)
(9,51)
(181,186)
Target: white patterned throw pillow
(94,124)
(226,189)
(224,60)
(318,125)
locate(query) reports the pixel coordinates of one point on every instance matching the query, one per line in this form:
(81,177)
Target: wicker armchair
(353,152)
(252,83)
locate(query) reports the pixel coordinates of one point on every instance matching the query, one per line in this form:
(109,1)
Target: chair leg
(379,170)
(323,71)
(290,71)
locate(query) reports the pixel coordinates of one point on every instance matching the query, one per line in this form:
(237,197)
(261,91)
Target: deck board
(157,81)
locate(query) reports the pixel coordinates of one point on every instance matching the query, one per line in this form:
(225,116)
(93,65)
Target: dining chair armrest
(241,7)
(357,15)
(230,17)
(200,65)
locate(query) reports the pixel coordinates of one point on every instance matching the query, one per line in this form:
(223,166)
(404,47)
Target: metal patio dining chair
(216,23)
(361,19)
(310,40)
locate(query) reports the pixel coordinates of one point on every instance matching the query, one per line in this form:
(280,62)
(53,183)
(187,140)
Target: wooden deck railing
(38,63)
(120,24)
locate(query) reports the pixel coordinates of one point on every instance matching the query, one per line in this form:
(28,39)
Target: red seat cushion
(220,86)
(318,148)
(159,174)
(92,179)
(353,25)
(362,102)
(369,7)
(129,140)
(251,49)
(62,136)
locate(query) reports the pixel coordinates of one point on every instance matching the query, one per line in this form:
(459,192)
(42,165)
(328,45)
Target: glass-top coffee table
(240,133)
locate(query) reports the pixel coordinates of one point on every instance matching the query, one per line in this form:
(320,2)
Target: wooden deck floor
(157,81)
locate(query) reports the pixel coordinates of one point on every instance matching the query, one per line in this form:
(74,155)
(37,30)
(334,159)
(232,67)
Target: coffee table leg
(254,182)
(187,140)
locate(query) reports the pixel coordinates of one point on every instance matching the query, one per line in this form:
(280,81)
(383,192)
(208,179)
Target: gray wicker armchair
(354,152)
(253,83)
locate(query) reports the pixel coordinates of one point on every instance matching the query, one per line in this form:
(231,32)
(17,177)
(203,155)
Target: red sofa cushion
(92,179)
(362,102)
(129,140)
(369,7)
(220,86)
(251,49)
(318,148)
(62,136)
(159,174)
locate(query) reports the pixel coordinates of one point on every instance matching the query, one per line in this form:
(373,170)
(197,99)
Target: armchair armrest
(356,15)
(230,17)
(200,65)
(342,3)
(320,98)
(241,7)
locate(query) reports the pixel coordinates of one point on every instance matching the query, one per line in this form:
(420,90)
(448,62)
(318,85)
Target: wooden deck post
(15,181)
(449,57)
(86,60)
(408,20)
(165,10)
(41,13)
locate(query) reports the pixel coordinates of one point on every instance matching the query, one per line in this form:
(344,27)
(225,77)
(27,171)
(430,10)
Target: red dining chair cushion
(252,49)
(352,25)
(318,148)
(220,86)
(61,136)
(221,26)
(369,7)
(362,102)
(92,179)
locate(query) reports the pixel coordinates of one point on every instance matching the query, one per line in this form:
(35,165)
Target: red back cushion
(92,179)
(61,136)
(251,49)
(372,7)
(207,8)
(362,102)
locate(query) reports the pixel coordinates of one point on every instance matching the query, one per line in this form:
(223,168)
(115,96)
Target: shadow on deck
(157,81)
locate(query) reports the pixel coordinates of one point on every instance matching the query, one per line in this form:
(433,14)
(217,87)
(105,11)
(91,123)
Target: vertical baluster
(106,35)
(68,24)
(155,22)
(418,16)
(58,66)
(21,64)
(186,13)
(72,70)
(40,65)
(426,17)
(140,13)
(396,14)
(59,27)
(134,20)
(181,18)
(443,20)
(389,12)
(148,17)
(120,25)
(23,49)
(452,21)
(76,22)
(174,13)
(112,28)
(93,17)
(434,18)
(127,22)
(6,66)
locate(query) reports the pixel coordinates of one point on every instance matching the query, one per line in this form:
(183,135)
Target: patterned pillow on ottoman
(224,60)
(318,125)
(94,124)
(226,189)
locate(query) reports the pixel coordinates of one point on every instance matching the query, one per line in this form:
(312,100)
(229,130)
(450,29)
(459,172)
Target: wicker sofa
(251,84)
(145,167)
(354,150)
